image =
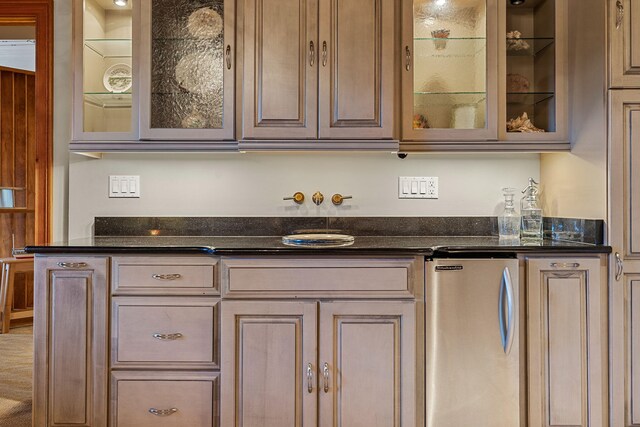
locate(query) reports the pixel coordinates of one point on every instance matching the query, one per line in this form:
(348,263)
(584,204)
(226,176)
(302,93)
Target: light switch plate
(124,186)
(417,187)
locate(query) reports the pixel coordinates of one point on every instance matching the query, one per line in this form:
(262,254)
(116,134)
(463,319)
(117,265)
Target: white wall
(254,184)
(575,184)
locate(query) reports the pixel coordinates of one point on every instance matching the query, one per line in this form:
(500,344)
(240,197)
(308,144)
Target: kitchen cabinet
(450,73)
(318,69)
(281,372)
(187,70)
(624,122)
(624,43)
(567,336)
(105,83)
(164,335)
(154,76)
(471,66)
(71,341)
(336,359)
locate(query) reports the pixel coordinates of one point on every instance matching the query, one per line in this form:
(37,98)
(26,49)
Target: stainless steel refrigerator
(472,343)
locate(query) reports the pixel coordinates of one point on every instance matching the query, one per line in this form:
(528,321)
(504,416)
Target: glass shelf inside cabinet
(450,47)
(110,48)
(528,46)
(528,98)
(109,99)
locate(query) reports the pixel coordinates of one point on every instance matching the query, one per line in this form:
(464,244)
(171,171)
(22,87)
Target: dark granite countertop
(266,245)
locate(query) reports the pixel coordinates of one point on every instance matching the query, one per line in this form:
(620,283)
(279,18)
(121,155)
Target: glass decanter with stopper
(509,220)
(531,214)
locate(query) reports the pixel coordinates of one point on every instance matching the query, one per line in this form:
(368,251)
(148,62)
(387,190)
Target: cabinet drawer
(188,399)
(165,332)
(304,277)
(165,275)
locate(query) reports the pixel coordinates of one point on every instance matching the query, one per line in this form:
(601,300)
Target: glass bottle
(531,213)
(509,220)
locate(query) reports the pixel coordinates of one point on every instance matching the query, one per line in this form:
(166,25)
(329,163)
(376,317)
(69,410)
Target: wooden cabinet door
(70,341)
(624,237)
(280,63)
(187,75)
(567,342)
(367,373)
(268,352)
(624,43)
(357,60)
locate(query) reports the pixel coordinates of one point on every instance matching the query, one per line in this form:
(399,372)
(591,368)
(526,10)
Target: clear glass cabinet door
(104,101)
(534,85)
(187,69)
(450,70)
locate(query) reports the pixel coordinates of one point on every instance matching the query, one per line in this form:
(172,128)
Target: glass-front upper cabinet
(533,98)
(105,98)
(450,72)
(187,69)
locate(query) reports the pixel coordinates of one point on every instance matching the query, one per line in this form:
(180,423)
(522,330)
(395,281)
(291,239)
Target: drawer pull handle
(72,264)
(167,337)
(565,265)
(163,412)
(166,276)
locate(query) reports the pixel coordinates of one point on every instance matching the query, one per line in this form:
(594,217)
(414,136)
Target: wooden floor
(16,364)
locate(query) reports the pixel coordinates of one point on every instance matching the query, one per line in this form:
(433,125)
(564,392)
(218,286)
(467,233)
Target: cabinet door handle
(325,376)
(619,14)
(324,53)
(506,325)
(72,264)
(619,267)
(564,265)
(407,58)
(227,55)
(166,276)
(310,378)
(167,337)
(312,53)
(163,412)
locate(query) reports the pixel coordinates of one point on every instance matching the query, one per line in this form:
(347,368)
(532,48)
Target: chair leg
(9,279)
(3,294)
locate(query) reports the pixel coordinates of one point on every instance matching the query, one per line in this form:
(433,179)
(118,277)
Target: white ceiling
(108,4)
(19,54)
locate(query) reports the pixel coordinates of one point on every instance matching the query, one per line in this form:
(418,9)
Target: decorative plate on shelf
(117,78)
(205,23)
(199,73)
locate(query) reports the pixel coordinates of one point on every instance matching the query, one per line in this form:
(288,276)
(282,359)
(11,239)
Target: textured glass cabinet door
(105,98)
(450,70)
(187,68)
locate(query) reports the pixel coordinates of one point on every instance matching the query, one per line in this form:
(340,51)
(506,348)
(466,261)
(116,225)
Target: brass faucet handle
(317,198)
(297,197)
(337,199)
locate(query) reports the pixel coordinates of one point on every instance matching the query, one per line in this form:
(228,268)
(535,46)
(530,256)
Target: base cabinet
(70,342)
(567,342)
(356,366)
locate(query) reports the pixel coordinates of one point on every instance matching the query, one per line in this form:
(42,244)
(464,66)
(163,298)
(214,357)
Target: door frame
(39,13)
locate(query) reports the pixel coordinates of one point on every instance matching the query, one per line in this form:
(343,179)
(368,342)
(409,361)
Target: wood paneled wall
(17,165)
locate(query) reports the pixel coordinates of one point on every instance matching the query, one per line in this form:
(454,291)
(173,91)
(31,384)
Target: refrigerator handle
(506,330)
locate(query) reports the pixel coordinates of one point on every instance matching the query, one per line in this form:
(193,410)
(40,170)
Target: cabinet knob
(297,197)
(337,199)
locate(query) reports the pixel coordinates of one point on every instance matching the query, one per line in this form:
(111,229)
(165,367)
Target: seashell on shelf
(522,124)
(420,122)
(204,23)
(514,41)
